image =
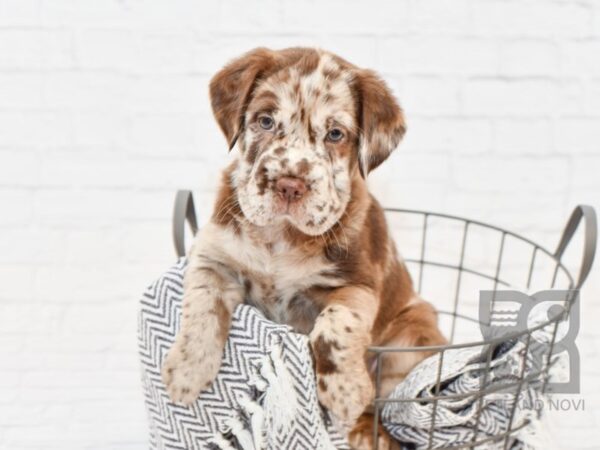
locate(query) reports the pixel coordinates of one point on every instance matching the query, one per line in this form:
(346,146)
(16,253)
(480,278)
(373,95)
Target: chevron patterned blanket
(264,396)
(459,412)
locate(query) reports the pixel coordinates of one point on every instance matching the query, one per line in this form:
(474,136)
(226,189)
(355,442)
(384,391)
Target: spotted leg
(339,341)
(210,296)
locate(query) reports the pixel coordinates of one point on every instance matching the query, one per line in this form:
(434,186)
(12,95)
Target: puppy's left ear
(381,121)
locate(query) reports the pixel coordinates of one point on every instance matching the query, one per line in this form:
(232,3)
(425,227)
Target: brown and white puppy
(296,233)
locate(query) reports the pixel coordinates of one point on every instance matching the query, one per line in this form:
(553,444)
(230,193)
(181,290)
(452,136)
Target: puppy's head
(306,122)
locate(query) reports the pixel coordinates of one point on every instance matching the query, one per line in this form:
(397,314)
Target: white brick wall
(104,114)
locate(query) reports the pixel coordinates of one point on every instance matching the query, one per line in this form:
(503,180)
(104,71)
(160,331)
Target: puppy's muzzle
(290,189)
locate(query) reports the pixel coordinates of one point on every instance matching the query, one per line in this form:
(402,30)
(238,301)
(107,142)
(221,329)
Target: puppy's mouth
(284,207)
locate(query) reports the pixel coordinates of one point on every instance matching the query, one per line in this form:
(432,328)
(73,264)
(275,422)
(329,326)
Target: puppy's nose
(290,188)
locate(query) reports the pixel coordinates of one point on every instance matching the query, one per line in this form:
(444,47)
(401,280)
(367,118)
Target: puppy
(296,233)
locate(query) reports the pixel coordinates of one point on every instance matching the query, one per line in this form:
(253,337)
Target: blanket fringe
(257,420)
(221,442)
(277,408)
(256,381)
(279,402)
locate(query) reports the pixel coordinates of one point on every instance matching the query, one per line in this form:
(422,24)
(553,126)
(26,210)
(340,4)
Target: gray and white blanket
(457,414)
(264,396)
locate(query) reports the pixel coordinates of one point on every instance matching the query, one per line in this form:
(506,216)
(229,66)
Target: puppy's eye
(266,122)
(335,135)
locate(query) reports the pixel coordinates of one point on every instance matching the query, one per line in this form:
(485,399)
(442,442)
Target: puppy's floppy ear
(231,89)
(380,118)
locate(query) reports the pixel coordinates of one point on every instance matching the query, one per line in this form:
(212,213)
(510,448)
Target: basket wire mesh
(491,270)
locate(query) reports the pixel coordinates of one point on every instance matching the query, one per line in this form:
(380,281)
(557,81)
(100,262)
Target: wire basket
(451,260)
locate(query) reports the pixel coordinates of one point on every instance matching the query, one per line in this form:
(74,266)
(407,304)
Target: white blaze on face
(304,108)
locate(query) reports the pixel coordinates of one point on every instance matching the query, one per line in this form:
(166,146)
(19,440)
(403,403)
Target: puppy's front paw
(186,373)
(344,385)
(345,394)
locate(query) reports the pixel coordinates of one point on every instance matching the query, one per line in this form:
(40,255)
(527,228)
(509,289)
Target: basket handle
(184,210)
(590,237)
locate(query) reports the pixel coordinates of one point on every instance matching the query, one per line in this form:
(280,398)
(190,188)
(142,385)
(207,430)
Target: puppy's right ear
(231,89)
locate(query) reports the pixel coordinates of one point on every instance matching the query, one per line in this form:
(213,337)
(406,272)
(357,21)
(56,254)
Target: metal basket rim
(493,341)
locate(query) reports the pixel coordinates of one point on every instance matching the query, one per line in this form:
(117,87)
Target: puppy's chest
(278,285)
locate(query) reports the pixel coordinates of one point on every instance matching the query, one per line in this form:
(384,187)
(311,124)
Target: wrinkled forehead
(317,89)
